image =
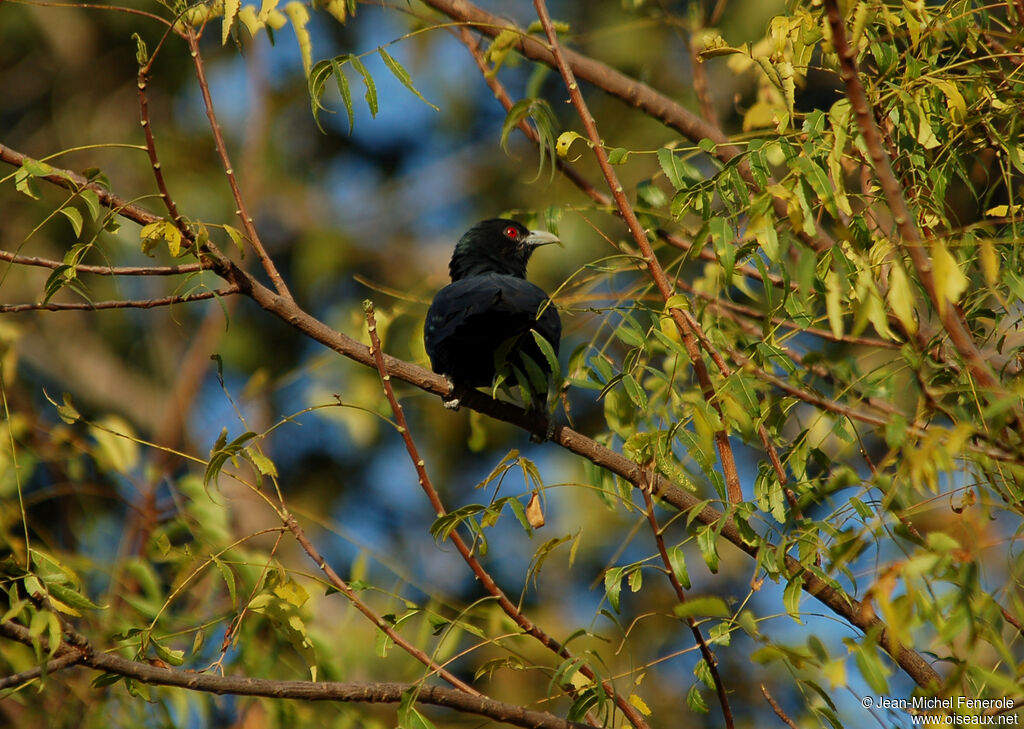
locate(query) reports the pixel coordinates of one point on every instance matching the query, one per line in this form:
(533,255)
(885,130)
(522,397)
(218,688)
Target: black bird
(481,321)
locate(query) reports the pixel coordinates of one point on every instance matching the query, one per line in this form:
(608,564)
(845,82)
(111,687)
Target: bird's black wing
(471,319)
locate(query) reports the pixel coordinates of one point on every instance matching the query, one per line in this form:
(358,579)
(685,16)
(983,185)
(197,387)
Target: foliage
(789,451)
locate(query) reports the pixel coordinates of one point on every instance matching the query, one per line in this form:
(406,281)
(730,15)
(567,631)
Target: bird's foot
(451,399)
(549,431)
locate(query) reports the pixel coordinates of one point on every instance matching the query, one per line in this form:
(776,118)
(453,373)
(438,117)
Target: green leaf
(565,140)
(613,586)
(24,182)
(791,597)
(317,80)
(549,354)
(174,657)
(92,201)
(618,156)
(706,607)
(707,540)
(695,701)
(75,217)
(371,87)
(402,75)
(672,167)
(409,716)
(634,391)
(872,669)
(677,560)
(236,237)
(346,94)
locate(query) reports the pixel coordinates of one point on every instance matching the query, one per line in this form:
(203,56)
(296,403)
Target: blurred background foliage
(916,508)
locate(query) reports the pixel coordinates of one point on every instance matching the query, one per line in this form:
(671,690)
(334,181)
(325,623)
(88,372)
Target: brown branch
(76,183)
(236,192)
(486,581)
(728,461)
(51,666)
(344,691)
(705,650)
(20,260)
(778,709)
(154,161)
(124,304)
(289,312)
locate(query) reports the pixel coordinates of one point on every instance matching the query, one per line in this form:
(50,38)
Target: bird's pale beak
(540,238)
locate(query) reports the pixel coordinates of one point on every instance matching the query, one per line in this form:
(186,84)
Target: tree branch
(348,691)
(122,304)
(21,260)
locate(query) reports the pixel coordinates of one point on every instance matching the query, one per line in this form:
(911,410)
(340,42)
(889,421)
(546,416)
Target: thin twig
(154,160)
(121,304)
(106,270)
(709,657)
(51,666)
(236,192)
(486,581)
(778,709)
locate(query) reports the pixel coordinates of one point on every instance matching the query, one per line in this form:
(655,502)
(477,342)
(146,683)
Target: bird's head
(498,245)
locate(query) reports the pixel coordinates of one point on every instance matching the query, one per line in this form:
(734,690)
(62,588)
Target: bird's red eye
(511,233)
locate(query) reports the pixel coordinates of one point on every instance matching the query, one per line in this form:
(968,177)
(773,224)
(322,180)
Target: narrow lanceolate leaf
(231,8)
(833,303)
(677,559)
(901,298)
(346,94)
(950,282)
(317,80)
(791,597)
(402,75)
(371,87)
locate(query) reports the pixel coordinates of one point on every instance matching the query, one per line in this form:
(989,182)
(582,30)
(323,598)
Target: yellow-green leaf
(640,704)
(833,303)
(299,16)
(231,8)
(989,261)
(565,140)
(901,298)
(950,282)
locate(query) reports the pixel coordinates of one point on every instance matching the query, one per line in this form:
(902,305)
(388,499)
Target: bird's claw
(450,399)
(549,432)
